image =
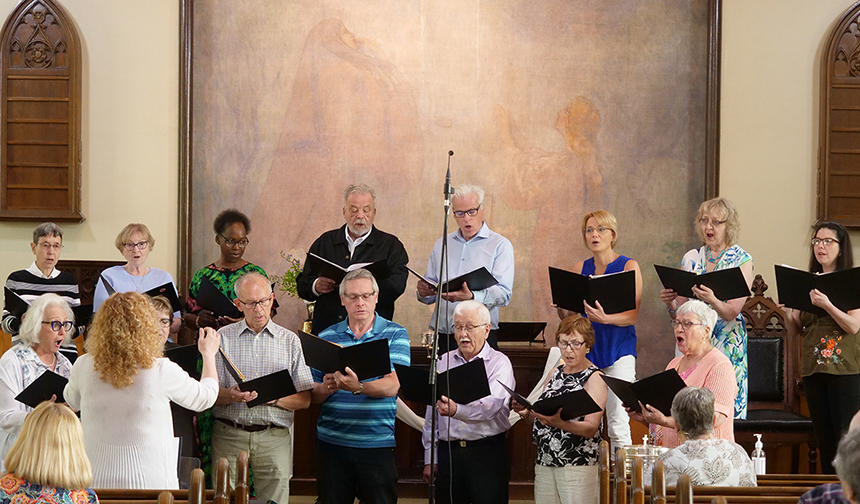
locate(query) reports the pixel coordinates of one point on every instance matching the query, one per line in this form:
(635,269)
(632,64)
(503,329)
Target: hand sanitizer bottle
(758,458)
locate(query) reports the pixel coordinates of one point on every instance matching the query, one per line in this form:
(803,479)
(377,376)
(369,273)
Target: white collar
(37,272)
(352,243)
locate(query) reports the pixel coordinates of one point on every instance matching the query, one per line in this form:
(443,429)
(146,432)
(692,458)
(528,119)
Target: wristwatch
(359,389)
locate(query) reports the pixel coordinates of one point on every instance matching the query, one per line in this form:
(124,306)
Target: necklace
(714,260)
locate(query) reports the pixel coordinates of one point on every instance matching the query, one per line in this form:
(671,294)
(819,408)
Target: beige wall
(130,131)
(770,87)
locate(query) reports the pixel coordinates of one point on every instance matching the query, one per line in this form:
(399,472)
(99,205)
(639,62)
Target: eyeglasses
(165,322)
(573,345)
(252,305)
(826,241)
(705,221)
(141,245)
(685,324)
(232,243)
(48,246)
(56,325)
(354,297)
(599,229)
(462,213)
(467,328)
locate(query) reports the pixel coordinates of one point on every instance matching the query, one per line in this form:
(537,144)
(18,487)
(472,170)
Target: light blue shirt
(488,249)
(123,281)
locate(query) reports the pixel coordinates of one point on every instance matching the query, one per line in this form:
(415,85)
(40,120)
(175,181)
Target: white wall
(129,132)
(771,60)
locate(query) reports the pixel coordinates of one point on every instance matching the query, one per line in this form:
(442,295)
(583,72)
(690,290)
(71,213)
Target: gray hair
(359,189)
(693,409)
(47,229)
(463,190)
(357,275)
(473,306)
(700,309)
(250,277)
(32,323)
(847,461)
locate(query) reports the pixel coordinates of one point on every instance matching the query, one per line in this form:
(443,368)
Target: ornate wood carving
(839,137)
(41,114)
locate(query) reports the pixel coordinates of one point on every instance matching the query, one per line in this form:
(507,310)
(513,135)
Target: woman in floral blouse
(830,348)
(566,468)
(48,463)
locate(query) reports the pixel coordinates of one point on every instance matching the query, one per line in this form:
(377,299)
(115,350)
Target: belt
(248,428)
(464,443)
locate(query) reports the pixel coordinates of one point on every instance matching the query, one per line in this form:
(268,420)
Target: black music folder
(520,331)
(574,404)
(336,272)
(42,388)
(270,387)
(211,298)
(167,290)
(615,291)
(462,384)
(477,280)
(186,356)
(367,360)
(842,287)
(17,307)
(657,390)
(726,284)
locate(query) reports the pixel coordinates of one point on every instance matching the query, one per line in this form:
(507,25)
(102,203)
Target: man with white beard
(357,241)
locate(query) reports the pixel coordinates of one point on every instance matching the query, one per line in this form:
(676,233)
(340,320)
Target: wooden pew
(604,491)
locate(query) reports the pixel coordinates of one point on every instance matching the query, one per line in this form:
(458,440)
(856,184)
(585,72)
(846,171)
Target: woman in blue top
(614,350)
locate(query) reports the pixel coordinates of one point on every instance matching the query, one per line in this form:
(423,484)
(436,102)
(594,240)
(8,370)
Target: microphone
(447,188)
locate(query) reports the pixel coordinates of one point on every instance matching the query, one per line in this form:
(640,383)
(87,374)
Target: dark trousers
(475,474)
(832,400)
(344,473)
(448,342)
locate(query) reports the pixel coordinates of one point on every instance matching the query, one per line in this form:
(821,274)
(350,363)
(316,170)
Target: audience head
(847,464)
(231,234)
(694,322)
(254,299)
(575,339)
(163,315)
(693,409)
(124,338)
(468,207)
(50,449)
(719,218)
(359,294)
(47,245)
(600,219)
(471,327)
(47,312)
(830,247)
(359,208)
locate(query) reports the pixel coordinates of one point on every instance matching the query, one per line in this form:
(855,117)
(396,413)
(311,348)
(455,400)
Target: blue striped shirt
(359,421)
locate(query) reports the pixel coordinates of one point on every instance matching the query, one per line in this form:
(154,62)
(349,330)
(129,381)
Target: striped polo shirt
(359,421)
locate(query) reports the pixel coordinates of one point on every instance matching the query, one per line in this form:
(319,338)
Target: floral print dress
(15,490)
(729,336)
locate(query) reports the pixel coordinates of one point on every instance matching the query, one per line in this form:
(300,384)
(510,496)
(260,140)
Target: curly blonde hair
(124,338)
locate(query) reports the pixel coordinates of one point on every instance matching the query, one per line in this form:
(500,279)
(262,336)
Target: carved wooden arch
(40,107)
(839,138)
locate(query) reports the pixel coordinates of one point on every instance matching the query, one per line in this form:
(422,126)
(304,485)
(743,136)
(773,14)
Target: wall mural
(556,108)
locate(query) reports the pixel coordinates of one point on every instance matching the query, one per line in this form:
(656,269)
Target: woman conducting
(700,365)
(718,226)
(830,346)
(566,467)
(123,388)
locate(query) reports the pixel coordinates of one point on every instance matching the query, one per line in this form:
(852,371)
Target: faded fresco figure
(351,117)
(560,185)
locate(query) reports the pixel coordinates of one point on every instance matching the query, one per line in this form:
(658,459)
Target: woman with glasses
(46,324)
(614,350)
(718,226)
(700,365)
(830,346)
(566,466)
(134,243)
(231,234)
(123,387)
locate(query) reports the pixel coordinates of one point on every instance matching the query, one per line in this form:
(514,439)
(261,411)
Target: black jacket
(332,246)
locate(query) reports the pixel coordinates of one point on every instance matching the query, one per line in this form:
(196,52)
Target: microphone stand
(443,261)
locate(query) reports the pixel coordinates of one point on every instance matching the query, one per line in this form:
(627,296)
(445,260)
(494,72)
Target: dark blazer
(332,246)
